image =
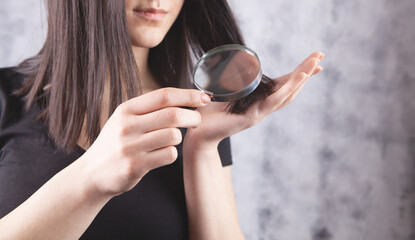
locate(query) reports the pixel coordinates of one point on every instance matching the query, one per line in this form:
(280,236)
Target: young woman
(89,128)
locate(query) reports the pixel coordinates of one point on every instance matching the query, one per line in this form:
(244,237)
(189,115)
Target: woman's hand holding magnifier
(140,136)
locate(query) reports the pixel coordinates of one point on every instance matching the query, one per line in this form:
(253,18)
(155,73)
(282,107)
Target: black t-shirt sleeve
(225,152)
(9,104)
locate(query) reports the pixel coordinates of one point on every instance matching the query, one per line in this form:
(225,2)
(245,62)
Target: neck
(148,83)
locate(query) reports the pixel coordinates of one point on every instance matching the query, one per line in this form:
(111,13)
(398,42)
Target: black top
(154,209)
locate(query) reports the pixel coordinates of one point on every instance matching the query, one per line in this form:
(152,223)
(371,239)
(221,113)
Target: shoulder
(10,80)
(10,77)
(10,104)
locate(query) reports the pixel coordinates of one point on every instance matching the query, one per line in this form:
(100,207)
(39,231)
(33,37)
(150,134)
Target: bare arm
(209,195)
(63,208)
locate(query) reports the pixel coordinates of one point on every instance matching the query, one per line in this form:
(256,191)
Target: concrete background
(339,162)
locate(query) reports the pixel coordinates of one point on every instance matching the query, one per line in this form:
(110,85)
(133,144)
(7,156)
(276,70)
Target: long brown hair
(88,42)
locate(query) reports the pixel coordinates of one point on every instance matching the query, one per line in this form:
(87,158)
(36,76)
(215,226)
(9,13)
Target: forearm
(62,208)
(209,195)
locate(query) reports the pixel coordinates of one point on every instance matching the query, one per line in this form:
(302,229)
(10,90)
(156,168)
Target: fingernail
(205,98)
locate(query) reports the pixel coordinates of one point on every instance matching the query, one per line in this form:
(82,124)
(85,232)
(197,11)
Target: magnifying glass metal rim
(235,95)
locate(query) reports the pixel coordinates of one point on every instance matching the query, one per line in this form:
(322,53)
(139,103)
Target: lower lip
(153,16)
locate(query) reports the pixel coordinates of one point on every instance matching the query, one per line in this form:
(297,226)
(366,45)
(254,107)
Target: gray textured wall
(339,162)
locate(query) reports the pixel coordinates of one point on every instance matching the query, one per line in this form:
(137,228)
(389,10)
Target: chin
(147,39)
(146,44)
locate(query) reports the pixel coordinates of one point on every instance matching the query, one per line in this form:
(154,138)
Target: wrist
(88,188)
(196,142)
(198,153)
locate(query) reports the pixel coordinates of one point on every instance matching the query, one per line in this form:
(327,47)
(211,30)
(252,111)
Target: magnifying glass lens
(228,72)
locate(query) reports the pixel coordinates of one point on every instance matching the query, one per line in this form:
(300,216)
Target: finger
(172,117)
(281,81)
(317,70)
(307,66)
(318,55)
(293,95)
(165,97)
(275,100)
(160,139)
(160,157)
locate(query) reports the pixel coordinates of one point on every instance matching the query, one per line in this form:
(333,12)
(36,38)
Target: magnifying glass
(228,73)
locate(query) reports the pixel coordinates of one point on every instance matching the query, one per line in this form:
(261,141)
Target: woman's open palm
(218,124)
